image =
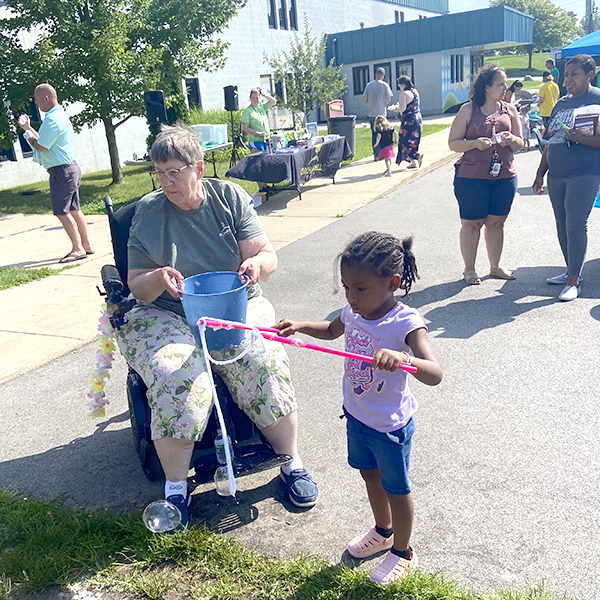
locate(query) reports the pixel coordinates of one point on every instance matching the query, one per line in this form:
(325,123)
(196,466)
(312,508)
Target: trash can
(343,126)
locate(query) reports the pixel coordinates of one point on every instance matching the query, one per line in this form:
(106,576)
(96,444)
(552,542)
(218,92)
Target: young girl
(378,403)
(525,125)
(387,138)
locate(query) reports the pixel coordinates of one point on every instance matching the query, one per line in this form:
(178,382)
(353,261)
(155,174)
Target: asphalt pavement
(504,465)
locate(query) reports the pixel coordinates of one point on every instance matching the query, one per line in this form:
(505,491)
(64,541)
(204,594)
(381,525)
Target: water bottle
(220,448)
(268,141)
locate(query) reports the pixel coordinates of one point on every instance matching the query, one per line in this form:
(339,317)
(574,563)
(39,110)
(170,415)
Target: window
(405,67)
(293,15)
(279,90)
(271,14)
(476,63)
(457,65)
(360,78)
(266,83)
(388,70)
(283,22)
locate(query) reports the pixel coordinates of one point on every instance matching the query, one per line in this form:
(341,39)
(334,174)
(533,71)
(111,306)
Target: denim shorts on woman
(478,198)
(389,452)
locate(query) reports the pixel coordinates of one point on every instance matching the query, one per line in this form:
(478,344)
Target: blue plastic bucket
(220,295)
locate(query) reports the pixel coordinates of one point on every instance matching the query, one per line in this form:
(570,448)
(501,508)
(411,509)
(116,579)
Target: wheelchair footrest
(253,461)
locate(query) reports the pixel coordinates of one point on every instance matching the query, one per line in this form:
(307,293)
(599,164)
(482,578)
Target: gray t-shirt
(193,241)
(377,92)
(565,161)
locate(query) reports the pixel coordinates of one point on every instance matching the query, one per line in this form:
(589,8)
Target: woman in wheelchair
(190,226)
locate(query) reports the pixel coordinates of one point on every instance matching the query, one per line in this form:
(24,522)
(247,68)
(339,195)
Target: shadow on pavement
(99,470)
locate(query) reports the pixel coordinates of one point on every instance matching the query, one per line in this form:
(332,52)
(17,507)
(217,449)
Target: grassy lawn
(515,65)
(33,198)
(45,543)
(13,276)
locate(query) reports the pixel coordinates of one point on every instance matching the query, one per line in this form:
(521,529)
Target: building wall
(250,37)
(426,77)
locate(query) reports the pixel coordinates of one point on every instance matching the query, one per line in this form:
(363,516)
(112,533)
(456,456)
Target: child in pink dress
(387,138)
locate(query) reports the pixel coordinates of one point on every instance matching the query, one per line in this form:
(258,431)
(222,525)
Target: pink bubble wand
(270,333)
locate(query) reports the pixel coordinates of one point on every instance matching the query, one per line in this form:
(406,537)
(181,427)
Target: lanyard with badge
(496,164)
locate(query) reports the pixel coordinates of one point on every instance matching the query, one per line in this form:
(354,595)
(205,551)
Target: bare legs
(175,457)
(76,227)
(494,240)
(390,511)
(176,454)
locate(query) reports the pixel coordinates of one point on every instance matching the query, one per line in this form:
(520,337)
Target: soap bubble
(161,516)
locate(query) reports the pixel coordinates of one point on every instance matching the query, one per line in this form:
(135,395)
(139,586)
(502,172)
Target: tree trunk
(530,52)
(113,151)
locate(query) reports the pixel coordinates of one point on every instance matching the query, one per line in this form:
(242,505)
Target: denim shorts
(478,198)
(389,452)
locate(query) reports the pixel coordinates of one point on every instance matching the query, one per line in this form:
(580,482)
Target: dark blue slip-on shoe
(302,489)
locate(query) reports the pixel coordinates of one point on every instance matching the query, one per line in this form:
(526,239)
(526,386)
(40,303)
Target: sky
(577,6)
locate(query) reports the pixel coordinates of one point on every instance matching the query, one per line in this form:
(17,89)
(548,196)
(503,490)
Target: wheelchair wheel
(137,429)
(153,469)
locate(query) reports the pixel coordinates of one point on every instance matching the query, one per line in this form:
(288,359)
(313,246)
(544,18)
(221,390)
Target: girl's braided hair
(384,254)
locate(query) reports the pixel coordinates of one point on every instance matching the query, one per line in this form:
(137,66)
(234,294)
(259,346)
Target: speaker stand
(238,142)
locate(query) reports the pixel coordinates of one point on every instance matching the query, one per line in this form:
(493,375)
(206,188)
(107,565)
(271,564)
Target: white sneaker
(558,279)
(570,292)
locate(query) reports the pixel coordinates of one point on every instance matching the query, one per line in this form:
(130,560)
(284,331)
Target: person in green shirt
(255,124)
(550,66)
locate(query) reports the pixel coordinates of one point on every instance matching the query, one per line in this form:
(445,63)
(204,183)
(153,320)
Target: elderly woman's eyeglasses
(172,174)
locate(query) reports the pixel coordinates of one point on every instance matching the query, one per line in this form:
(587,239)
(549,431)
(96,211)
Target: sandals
(368,544)
(471,277)
(502,273)
(420,159)
(69,258)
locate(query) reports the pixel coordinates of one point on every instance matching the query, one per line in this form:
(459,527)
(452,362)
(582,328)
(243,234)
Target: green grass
(34,199)
(13,276)
(45,543)
(516,65)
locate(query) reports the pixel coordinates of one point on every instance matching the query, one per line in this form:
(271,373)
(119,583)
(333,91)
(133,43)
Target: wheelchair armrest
(116,305)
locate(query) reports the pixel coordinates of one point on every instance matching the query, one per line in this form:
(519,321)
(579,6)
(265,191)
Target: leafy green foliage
(309,83)
(552,25)
(105,53)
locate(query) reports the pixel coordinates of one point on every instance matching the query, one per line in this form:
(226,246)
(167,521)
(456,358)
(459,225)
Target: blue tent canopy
(588,44)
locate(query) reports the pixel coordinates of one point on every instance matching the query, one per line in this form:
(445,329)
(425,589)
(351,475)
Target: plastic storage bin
(211,134)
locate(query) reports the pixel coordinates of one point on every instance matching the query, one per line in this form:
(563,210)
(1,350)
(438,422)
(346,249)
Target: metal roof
(488,28)
(439,6)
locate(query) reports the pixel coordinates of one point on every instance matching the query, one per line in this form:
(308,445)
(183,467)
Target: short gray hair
(177,142)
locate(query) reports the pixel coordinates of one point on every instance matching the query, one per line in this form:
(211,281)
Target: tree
(105,53)
(552,25)
(309,83)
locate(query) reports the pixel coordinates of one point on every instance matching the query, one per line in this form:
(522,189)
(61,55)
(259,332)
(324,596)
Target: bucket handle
(245,277)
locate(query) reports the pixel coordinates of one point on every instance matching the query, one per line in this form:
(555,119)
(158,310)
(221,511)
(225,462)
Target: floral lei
(104,356)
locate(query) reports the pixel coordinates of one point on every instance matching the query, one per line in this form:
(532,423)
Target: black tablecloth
(321,160)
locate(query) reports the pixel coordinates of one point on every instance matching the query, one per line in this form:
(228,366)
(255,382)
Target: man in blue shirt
(54,141)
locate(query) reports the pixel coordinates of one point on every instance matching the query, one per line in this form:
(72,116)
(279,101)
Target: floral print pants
(160,347)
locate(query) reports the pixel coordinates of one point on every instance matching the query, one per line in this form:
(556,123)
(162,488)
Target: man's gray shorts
(64,188)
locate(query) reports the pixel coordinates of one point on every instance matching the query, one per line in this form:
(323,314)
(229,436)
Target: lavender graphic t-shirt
(380,399)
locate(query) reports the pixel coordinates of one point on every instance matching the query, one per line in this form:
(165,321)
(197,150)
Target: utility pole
(589,22)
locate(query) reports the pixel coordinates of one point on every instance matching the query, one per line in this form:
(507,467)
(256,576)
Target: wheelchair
(252,451)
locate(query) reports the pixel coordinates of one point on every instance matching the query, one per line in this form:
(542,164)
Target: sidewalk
(46,319)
